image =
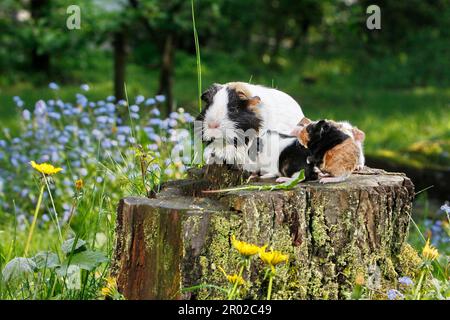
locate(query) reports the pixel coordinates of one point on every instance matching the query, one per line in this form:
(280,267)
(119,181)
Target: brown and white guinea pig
(333,151)
(239,106)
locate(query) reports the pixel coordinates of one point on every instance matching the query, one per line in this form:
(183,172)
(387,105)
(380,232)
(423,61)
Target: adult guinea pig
(238,106)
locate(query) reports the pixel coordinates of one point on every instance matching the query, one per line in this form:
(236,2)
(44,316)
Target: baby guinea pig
(355,133)
(334,152)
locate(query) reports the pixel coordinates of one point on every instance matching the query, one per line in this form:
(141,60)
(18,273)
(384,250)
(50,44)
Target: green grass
(411,126)
(94,223)
(89,211)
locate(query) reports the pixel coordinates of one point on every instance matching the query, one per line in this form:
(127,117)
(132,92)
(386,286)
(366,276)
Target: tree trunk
(40,61)
(120,56)
(166,71)
(332,233)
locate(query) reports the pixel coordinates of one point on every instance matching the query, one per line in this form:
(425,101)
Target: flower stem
(72,210)
(233,291)
(33,224)
(269,290)
(419,285)
(54,209)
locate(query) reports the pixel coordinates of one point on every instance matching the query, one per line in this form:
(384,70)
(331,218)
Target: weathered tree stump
(332,233)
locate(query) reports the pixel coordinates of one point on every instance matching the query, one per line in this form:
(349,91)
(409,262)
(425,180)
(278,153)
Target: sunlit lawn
(407,125)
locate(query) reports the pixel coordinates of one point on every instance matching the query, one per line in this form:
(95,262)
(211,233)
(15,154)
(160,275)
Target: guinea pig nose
(213,125)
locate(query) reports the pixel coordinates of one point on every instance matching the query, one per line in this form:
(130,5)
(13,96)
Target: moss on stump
(331,232)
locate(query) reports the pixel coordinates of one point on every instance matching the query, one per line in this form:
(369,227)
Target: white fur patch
(218,113)
(279,112)
(218,151)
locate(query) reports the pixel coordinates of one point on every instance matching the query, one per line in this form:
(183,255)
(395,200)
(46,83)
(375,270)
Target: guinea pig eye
(205,97)
(242,104)
(325,128)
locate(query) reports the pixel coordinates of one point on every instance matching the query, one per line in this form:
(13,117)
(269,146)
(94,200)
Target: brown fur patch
(341,160)
(245,94)
(253,104)
(241,89)
(303,137)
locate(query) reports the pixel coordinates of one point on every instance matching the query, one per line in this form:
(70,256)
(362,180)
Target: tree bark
(166,71)
(332,233)
(120,57)
(40,61)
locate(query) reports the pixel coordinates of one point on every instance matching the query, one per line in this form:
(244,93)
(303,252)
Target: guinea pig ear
(246,102)
(303,137)
(242,95)
(304,122)
(359,135)
(209,94)
(253,102)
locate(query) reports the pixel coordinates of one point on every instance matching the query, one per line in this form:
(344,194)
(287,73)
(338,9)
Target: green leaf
(68,246)
(87,260)
(292,183)
(72,276)
(266,187)
(18,269)
(46,260)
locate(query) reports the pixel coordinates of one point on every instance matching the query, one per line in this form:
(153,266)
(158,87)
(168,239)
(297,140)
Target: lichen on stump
(331,232)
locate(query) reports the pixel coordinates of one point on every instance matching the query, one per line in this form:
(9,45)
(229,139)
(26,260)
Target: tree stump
(332,234)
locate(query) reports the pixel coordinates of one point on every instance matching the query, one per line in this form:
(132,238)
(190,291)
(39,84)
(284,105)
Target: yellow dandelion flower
(233,278)
(429,252)
(111,282)
(79,184)
(111,287)
(45,168)
(244,248)
(106,292)
(272,258)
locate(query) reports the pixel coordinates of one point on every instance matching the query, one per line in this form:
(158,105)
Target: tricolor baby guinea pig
(333,151)
(356,134)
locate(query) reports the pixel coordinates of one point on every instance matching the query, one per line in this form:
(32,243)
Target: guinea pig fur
(356,134)
(333,151)
(227,110)
(293,159)
(237,107)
